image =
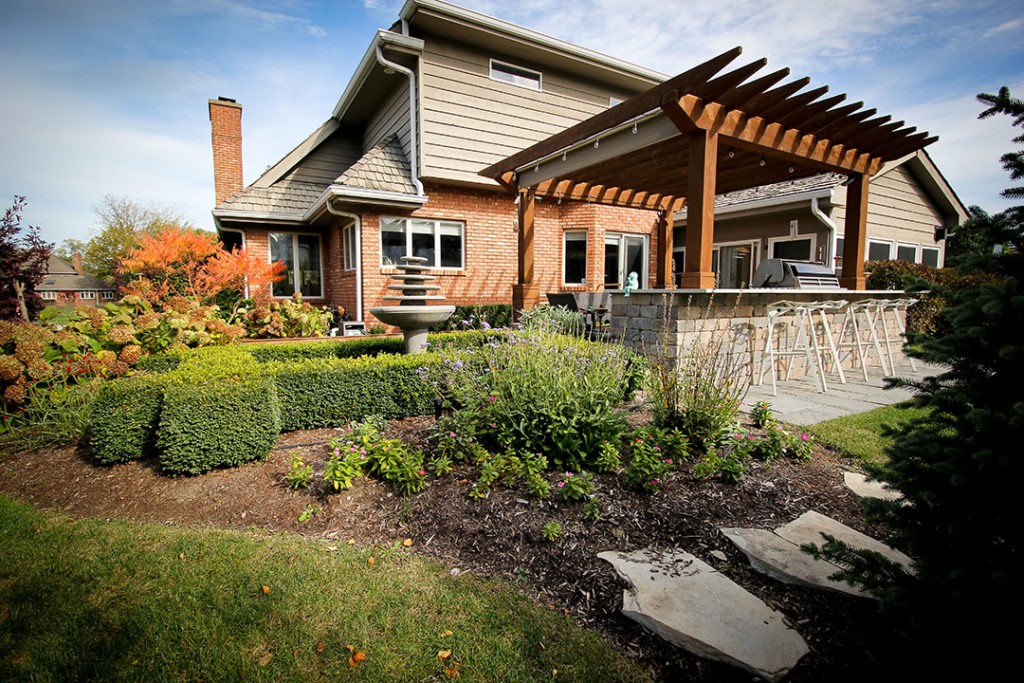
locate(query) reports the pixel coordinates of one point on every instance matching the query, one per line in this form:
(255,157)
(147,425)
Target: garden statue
(632,282)
(412,314)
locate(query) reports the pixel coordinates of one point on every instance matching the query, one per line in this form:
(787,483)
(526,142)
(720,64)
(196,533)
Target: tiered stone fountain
(412,313)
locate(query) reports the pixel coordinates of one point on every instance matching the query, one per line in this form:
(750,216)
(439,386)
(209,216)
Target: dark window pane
(231,240)
(678,264)
(611,265)
(451,251)
(575,260)
(906,253)
(281,250)
(878,251)
(797,250)
(392,247)
(930,257)
(309,265)
(423,247)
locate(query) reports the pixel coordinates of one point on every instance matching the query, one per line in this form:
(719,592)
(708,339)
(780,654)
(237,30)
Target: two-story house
(444,93)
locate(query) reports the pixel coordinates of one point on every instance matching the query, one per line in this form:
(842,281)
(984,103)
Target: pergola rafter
(708,131)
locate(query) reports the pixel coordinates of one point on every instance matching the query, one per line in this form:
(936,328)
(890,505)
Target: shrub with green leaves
(729,467)
(762,414)
(344,465)
(554,319)
(647,466)
(390,460)
(574,487)
(217,424)
(608,458)
(299,474)
(539,393)
(124,419)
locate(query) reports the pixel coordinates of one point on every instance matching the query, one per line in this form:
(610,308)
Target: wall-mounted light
(731,152)
(762,162)
(791,169)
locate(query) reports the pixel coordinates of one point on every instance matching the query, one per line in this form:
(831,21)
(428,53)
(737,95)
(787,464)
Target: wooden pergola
(700,133)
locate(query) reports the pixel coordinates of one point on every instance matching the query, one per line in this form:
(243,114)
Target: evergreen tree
(960,467)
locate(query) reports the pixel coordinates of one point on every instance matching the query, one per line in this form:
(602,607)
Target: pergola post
(854,233)
(524,292)
(700,212)
(663,276)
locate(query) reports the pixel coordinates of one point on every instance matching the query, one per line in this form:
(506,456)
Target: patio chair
(807,344)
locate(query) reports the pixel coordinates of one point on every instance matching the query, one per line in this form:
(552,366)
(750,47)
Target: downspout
(358,222)
(413,162)
(829,225)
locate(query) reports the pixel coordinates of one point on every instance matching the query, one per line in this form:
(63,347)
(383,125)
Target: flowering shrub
(389,459)
(575,487)
(342,468)
(647,466)
(286,318)
(539,393)
(762,414)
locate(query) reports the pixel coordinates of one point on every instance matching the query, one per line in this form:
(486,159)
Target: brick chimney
(226,130)
(76,261)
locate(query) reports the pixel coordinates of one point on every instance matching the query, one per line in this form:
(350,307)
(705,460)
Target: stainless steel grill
(786,274)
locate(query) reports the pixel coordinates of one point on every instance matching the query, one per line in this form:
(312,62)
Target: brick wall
(490,244)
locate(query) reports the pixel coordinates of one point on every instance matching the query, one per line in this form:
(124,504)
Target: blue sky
(109,96)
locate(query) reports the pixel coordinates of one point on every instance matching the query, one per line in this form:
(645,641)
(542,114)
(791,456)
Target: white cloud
(1006,27)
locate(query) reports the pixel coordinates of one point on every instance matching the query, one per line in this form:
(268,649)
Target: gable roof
(384,167)
(62,277)
(58,265)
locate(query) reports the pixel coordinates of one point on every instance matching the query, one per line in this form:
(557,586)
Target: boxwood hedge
(217,424)
(124,419)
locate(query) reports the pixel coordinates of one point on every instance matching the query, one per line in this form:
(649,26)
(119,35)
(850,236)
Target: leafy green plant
(557,319)
(309,512)
(299,474)
(376,329)
(285,318)
(551,531)
(608,458)
(729,467)
(388,459)
(343,467)
(647,466)
(440,464)
(762,414)
(574,487)
(592,510)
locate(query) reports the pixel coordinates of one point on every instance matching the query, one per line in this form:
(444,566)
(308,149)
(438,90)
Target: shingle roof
(383,167)
(58,265)
(63,282)
(821,181)
(290,198)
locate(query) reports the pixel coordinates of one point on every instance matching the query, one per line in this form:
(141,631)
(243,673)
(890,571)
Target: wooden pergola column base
(524,297)
(701,280)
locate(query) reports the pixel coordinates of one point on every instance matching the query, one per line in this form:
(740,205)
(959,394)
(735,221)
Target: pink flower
(494,424)
(668,461)
(451,434)
(804,437)
(363,451)
(561,484)
(422,472)
(337,452)
(657,448)
(492,399)
(655,481)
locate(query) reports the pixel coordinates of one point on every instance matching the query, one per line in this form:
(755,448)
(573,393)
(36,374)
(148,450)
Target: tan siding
(899,209)
(391,118)
(327,161)
(471,121)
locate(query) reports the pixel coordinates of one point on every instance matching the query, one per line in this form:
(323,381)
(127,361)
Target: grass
(862,436)
(88,600)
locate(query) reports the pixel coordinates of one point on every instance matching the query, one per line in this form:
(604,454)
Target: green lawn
(861,436)
(88,600)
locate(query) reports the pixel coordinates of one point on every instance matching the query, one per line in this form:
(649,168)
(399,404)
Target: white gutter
(362,72)
(829,225)
(413,146)
(358,222)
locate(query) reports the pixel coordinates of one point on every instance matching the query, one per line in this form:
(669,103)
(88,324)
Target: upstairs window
(516,75)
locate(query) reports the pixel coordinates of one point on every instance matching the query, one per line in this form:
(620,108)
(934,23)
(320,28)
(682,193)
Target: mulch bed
(500,535)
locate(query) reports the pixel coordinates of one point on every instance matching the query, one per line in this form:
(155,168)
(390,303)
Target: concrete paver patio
(800,402)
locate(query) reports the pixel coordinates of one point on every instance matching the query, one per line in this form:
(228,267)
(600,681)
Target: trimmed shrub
(124,419)
(328,392)
(350,348)
(217,424)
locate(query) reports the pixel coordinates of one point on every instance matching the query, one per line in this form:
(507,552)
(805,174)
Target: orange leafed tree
(182,262)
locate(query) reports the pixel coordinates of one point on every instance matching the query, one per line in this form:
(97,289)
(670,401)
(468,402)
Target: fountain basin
(414,321)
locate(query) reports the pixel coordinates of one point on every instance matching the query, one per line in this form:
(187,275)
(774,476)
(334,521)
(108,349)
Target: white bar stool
(870,311)
(898,309)
(806,343)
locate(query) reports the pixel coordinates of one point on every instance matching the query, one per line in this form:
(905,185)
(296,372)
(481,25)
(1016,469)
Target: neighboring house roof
(384,167)
(61,277)
(822,181)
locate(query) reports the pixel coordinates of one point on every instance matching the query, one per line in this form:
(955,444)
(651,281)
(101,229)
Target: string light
(731,152)
(762,162)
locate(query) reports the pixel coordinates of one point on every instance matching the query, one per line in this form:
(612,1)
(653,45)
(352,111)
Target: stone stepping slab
(692,605)
(778,554)
(862,487)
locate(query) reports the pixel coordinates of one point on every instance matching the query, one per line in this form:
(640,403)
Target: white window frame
(106,294)
(867,249)
(575,234)
(437,241)
(505,67)
(915,247)
(295,262)
(938,255)
(348,247)
(87,294)
(793,238)
(48,296)
(620,237)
